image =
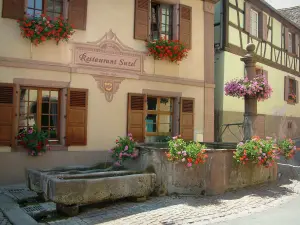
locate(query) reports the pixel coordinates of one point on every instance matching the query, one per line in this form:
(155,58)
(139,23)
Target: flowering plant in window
(257,151)
(36,142)
(292,97)
(163,49)
(287,148)
(125,149)
(189,153)
(258,88)
(41,29)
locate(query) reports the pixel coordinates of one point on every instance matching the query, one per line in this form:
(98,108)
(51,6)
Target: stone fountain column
(250,103)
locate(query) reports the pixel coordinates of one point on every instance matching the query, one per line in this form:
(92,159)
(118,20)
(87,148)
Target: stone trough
(71,188)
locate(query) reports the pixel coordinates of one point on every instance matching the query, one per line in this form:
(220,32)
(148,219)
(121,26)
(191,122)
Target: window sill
(291,102)
(52,148)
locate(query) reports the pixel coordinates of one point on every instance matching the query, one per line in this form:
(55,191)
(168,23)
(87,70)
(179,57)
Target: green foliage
(287,148)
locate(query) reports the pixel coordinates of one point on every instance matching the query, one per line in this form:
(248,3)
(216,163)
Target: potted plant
(245,88)
(191,153)
(171,50)
(292,98)
(125,149)
(35,141)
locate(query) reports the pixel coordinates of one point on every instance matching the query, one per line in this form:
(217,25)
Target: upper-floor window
(161,21)
(51,8)
(254,23)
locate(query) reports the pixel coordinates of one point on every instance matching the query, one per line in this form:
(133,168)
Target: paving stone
(18,217)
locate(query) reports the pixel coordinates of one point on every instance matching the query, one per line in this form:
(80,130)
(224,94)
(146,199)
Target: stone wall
(217,175)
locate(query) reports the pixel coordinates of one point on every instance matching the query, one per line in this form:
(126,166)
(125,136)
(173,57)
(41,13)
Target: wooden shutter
(7,114)
(13,9)
(264,26)
(297,44)
(187,106)
(141,19)
(78,13)
(77,109)
(247,17)
(136,116)
(297,92)
(185,26)
(286,88)
(286,38)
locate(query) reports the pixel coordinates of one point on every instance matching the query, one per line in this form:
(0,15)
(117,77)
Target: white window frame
(252,13)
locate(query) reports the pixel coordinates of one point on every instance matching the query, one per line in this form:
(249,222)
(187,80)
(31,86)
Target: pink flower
(184,153)
(130,135)
(183,160)
(178,153)
(189,165)
(126,148)
(117,163)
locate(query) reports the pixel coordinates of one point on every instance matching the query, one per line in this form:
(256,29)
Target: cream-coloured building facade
(238,22)
(84,92)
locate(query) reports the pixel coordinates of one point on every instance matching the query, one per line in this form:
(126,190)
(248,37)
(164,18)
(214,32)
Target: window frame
(158,112)
(158,15)
(39,102)
(44,8)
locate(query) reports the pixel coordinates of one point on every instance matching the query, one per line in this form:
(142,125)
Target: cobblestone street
(190,210)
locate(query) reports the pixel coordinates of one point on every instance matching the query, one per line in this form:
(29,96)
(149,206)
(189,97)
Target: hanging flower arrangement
(292,97)
(36,142)
(257,88)
(41,29)
(171,50)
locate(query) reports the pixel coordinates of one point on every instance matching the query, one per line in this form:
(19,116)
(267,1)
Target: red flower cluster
(40,29)
(171,50)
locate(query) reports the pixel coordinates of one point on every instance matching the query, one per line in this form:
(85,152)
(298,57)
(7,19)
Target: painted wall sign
(109,53)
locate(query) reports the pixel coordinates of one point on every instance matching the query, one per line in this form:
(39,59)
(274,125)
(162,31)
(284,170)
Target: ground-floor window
(157,118)
(40,107)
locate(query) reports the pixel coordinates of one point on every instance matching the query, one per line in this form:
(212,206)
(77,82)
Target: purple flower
(30,131)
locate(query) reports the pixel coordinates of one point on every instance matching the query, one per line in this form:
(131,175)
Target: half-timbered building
(276,37)
(102,84)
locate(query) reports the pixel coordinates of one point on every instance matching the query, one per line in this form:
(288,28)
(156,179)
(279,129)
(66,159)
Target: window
(254,23)
(159,116)
(161,21)
(291,43)
(51,8)
(40,106)
(292,91)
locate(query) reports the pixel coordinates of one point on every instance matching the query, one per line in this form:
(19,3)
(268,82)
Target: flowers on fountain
(124,149)
(287,148)
(191,153)
(258,88)
(263,152)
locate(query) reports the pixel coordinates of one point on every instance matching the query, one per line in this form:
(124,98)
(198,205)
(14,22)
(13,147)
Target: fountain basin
(94,189)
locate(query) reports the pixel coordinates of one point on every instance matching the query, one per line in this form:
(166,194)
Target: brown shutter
(7,114)
(286,38)
(286,88)
(265,73)
(297,44)
(185,26)
(141,19)
(136,116)
(264,26)
(77,109)
(78,13)
(247,17)
(297,92)
(13,9)
(187,106)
